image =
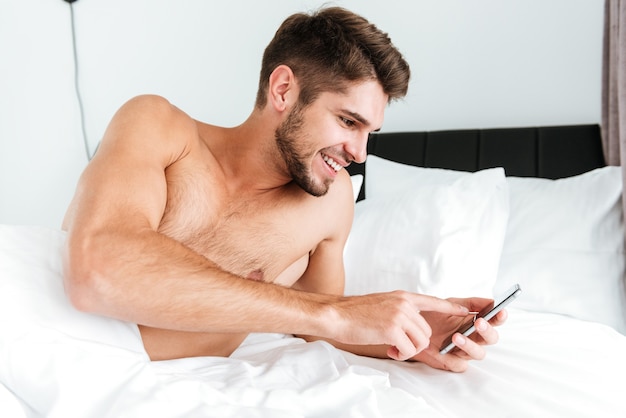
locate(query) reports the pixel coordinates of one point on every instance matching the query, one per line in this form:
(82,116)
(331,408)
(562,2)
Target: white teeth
(332,163)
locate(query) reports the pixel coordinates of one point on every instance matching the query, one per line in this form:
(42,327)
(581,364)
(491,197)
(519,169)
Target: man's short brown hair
(330,48)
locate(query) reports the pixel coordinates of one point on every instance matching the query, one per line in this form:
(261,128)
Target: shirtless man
(202,234)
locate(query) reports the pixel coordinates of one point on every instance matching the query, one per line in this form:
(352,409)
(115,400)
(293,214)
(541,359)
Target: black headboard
(549,152)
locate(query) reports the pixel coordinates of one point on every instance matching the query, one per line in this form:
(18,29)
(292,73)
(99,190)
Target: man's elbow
(83,277)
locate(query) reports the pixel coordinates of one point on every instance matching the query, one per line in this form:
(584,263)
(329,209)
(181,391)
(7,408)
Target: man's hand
(471,348)
(394,319)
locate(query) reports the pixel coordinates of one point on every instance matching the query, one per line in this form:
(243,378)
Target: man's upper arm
(125,183)
(325,272)
(119,202)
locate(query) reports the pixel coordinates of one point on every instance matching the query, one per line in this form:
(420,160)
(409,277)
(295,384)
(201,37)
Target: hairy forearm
(146,278)
(373,350)
(150,279)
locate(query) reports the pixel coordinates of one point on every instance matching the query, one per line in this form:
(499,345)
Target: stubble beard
(296,156)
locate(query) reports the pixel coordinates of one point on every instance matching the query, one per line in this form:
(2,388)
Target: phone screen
(488,312)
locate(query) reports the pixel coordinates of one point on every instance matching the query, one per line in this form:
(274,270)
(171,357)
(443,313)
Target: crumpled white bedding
(63,363)
(530,373)
(545,365)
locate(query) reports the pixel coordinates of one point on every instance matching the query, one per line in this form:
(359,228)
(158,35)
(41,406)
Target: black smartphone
(488,312)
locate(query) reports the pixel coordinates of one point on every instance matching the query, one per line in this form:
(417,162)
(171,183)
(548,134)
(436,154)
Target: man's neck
(249,157)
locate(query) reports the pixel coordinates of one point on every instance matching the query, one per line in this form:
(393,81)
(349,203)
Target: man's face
(318,141)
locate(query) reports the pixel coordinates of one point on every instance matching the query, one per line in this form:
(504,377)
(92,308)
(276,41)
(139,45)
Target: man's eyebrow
(359,118)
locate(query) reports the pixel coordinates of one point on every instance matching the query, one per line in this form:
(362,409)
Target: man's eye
(347,122)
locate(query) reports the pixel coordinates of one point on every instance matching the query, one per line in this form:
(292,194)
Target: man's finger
(411,339)
(473,350)
(487,332)
(403,348)
(434,304)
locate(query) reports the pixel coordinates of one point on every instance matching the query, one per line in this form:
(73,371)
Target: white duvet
(58,362)
(531,373)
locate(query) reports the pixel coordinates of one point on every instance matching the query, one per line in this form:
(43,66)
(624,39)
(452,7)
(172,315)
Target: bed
(449,213)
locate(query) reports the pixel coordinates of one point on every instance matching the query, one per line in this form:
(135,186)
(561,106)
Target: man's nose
(358,148)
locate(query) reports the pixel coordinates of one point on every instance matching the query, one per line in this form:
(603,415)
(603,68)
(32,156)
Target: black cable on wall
(77,84)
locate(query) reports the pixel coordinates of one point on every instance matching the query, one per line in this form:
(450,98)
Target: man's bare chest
(266,237)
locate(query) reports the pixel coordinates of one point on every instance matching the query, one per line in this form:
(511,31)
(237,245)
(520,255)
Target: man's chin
(315,189)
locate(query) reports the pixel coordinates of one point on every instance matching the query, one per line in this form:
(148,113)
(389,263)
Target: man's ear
(283,89)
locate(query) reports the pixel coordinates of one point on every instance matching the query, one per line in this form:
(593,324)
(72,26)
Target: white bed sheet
(10,407)
(531,372)
(63,363)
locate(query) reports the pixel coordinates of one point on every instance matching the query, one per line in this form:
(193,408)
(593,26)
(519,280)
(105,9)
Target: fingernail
(460,340)
(481,324)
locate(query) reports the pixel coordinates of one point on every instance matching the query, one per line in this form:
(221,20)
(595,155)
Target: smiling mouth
(331,163)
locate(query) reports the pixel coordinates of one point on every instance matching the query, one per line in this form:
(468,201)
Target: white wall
(475,64)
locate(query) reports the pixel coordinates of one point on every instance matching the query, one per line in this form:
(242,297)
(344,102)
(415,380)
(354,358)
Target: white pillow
(437,232)
(46,344)
(565,246)
(385,177)
(357,182)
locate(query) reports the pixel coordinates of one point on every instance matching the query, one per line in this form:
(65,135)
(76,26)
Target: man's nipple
(256,275)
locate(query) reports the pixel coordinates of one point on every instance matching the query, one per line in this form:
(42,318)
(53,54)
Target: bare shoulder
(145,136)
(151,104)
(337,206)
(152,121)
(332,222)
(342,189)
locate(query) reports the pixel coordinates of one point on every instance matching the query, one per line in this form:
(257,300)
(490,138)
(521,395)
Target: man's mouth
(335,166)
